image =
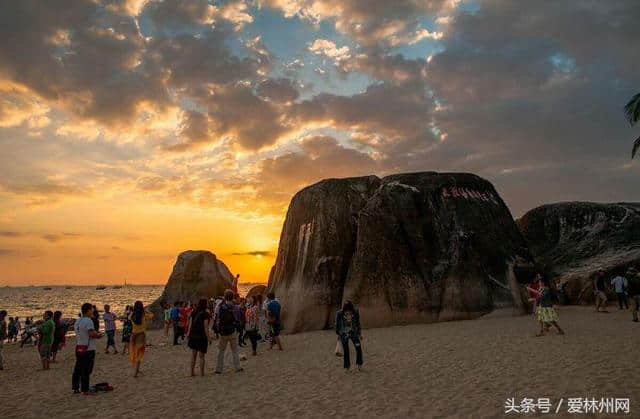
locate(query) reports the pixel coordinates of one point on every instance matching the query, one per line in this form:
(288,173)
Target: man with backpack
(228,323)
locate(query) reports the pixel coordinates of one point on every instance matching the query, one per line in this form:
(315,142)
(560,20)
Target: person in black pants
(85,350)
(348,328)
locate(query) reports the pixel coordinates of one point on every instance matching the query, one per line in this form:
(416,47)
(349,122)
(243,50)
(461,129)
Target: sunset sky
(132,130)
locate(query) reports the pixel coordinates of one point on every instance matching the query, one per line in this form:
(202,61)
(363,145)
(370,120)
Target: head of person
(202,305)
(3,314)
(57,316)
(107,308)
(138,312)
(228,295)
(271,295)
(348,307)
(87,310)
(47,315)
(538,278)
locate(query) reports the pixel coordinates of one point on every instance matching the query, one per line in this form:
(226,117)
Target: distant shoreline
(106,285)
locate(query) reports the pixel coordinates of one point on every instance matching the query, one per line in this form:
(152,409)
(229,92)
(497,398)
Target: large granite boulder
(259,289)
(408,248)
(575,240)
(316,245)
(196,274)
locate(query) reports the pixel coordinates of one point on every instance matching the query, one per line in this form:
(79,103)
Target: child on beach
(546,314)
(3,334)
(46,338)
(348,328)
(139,318)
(110,329)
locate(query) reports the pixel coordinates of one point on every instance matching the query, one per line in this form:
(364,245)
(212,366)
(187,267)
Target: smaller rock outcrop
(575,240)
(196,274)
(257,290)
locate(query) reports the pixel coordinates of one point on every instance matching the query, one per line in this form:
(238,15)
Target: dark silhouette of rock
(408,248)
(316,245)
(257,290)
(196,274)
(575,240)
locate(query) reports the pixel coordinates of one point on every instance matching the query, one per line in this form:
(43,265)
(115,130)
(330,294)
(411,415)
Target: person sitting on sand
(534,293)
(139,318)
(348,328)
(3,334)
(127,329)
(227,326)
(59,335)
(547,315)
(273,314)
(199,335)
(110,328)
(599,291)
(86,334)
(46,338)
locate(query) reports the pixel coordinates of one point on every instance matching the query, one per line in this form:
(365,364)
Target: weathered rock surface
(196,274)
(257,290)
(574,240)
(419,247)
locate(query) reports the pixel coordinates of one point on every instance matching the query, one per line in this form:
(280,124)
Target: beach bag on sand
(339,348)
(228,322)
(102,387)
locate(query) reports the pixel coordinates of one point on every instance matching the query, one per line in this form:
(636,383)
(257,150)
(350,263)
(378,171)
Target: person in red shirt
(534,292)
(185,311)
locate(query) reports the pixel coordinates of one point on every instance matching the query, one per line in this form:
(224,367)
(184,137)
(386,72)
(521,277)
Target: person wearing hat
(633,290)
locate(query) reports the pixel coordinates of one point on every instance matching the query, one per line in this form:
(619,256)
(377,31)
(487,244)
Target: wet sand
(448,370)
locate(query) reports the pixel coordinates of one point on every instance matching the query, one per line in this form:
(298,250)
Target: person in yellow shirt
(139,318)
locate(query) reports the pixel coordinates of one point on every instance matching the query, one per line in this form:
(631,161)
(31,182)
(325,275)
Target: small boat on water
(68,287)
(101,287)
(117,287)
(47,288)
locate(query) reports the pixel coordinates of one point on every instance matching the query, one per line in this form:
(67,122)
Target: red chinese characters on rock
(465,193)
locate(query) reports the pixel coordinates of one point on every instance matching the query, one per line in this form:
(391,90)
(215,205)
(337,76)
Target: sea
(34,300)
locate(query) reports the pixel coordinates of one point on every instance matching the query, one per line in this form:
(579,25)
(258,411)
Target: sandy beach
(448,370)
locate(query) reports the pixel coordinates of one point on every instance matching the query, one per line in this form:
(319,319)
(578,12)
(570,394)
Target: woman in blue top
(348,328)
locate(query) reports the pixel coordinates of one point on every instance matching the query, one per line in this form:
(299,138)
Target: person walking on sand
(139,318)
(227,325)
(547,315)
(110,329)
(348,328)
(86,336)
(619,284)
(3,335)
(59,335)
(46,338)
(167,318)
(175,320)
(599,290)
(127,329)
(534,293)
(199,336)
(252,324)
(273,314)
(633,289)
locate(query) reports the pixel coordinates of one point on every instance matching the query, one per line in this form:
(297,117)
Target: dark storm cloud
(278,90)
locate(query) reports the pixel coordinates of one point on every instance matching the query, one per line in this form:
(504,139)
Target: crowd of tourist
(231,320)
